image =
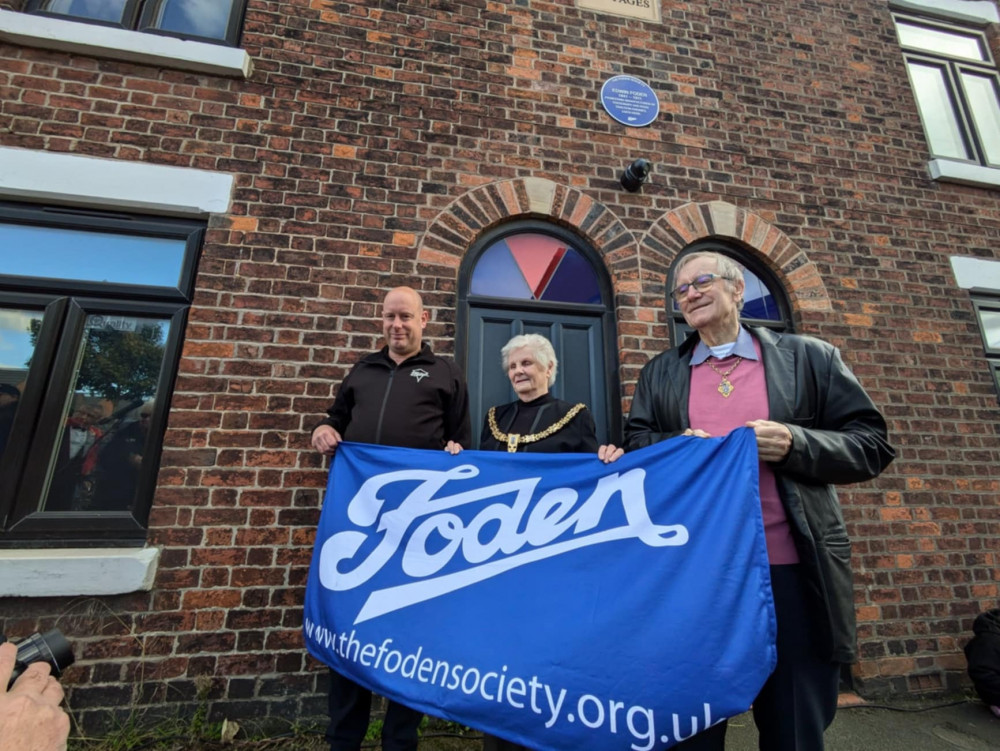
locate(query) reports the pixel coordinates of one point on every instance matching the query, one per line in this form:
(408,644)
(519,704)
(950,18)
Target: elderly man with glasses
(816,428)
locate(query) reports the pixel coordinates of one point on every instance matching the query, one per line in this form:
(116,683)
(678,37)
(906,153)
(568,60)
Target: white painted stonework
(74,572)
(71,179)
(976,273)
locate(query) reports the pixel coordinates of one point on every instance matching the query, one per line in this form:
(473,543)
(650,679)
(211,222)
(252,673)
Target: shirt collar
(744,348)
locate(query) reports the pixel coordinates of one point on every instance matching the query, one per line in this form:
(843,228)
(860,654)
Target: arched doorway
(534,277)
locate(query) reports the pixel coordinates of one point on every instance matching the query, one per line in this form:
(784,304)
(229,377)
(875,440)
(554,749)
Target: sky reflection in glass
(90,256)
(203,18)
(97,10)
(16,345)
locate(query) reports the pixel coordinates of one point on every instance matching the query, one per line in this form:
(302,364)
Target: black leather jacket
(838,437)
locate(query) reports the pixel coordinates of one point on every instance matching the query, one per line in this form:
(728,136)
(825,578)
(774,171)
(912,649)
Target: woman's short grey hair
(725,265)
(540,347)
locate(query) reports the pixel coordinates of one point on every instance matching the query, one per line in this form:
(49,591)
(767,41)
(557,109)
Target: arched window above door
(535,266)
(765,302)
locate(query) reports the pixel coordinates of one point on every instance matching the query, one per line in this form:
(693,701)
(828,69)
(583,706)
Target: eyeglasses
(700,283)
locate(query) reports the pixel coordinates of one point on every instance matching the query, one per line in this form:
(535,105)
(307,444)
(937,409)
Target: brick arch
(677,229)
(453,231)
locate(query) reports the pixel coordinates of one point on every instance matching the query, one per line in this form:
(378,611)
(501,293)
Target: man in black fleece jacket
(402,395)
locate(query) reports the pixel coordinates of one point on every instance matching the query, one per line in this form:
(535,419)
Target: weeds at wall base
(189,734)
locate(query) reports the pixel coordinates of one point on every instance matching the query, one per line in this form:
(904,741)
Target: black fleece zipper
(385,400)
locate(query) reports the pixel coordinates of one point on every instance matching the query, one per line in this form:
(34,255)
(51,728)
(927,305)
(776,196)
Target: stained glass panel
(535,266)
(497,275)
(573,281)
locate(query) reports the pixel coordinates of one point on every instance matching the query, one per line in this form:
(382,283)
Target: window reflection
(10,397)
(97,10)
(203,18)
(990,322)
(984,101)
(935,104)
(18,330)
(92,256)
(944,42)
(98,458)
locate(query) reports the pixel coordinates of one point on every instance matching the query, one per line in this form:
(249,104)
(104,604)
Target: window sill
(976,273)
(964,173)
(74,180)
(122,44)
(75,572)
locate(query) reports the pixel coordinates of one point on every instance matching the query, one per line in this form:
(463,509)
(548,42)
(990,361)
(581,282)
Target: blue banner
(549,598)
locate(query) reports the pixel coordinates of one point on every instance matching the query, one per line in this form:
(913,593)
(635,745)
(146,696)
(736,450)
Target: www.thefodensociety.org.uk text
(641,724)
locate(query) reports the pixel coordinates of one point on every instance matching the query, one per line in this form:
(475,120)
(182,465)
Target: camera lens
(50,647)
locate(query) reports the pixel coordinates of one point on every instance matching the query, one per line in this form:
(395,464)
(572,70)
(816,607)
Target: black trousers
(350,706)
(799,700)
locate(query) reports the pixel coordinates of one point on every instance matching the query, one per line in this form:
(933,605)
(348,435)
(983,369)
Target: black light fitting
(636,174)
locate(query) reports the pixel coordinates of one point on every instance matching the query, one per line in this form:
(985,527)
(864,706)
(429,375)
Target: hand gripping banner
(549,599)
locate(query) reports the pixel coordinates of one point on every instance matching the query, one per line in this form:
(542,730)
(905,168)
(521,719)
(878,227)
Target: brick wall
(354,144)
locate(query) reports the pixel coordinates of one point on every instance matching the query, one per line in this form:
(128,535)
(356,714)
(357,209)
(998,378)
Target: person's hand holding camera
(30,716)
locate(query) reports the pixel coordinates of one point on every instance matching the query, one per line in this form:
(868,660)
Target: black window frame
(952,68)
(38,423)
(679,330)
(139,15)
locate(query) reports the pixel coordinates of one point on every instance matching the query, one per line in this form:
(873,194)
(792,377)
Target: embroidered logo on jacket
(419,373)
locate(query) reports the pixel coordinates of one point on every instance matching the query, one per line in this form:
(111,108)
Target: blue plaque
(630,101)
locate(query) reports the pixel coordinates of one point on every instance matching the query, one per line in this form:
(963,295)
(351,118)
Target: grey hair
(540,347)
(726,266)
